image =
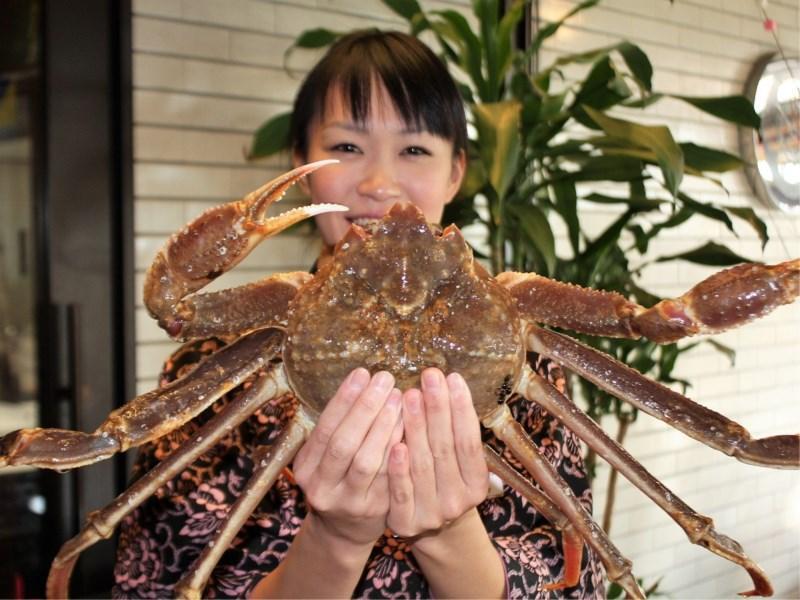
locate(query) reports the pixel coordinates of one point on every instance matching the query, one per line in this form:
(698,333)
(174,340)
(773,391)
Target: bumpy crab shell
(403,297)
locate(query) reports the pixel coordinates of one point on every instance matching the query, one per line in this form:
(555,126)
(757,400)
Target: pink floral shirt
(161,539)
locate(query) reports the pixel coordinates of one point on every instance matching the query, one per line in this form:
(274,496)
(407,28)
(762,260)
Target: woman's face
(381,162)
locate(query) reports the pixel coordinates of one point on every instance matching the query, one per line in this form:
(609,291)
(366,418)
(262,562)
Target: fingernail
(384,380)
(358,379)
(455,381)
(430,380)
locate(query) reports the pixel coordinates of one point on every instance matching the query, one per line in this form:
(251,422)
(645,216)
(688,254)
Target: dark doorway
(65,268)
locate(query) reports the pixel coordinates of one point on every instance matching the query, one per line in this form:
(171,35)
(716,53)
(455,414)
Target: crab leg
(271,460)
(693,419)
(727,299)
(100,524)
(146,417)
(571,541)
(214,243)
(618,568)
(699,528)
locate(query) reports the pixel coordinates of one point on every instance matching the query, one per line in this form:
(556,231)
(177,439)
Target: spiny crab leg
(693,419)
(698,528)
(571,541)
(270,461)
(146,417)
(214,243)
(100,524)
(726,299)
(618,568)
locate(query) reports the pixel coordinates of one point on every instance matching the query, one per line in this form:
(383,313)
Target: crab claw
(254,206)
(217,241)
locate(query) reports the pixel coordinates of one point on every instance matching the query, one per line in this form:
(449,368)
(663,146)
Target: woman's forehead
(379,106)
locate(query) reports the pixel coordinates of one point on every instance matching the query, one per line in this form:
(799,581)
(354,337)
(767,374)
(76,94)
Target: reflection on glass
(18,369)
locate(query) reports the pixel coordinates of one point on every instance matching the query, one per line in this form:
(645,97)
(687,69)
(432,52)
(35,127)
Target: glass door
(22,501)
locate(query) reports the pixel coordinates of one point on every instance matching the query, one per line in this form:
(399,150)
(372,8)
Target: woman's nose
(379,183)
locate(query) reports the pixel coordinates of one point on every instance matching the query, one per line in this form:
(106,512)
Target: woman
(381,462)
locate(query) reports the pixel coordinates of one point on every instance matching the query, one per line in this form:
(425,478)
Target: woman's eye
(344,147)
(416,151)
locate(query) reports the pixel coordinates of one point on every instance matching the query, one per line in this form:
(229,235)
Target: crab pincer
(214,243)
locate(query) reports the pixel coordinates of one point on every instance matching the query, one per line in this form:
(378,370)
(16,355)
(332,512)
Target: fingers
(439,472)
(307,459)
(420,457)
(467,438)
(441,429)
(353,428)
(401,491)
(370,460)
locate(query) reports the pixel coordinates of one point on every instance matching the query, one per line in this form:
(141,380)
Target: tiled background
(207,73)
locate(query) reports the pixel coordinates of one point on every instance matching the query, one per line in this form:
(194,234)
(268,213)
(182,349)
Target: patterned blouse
(161,539)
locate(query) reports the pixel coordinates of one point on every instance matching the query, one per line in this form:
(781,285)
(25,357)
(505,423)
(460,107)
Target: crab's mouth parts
(369,224)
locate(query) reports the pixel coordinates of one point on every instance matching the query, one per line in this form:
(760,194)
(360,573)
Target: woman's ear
(298,160)
(457,173)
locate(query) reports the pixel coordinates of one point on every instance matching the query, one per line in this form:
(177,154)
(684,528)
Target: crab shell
(401,299)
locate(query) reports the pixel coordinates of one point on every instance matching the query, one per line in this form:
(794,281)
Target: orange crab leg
(146,417)
(214,243)
(727,299)
(100,524)
(618,568)
(693,419)
(571,541)
(698,528)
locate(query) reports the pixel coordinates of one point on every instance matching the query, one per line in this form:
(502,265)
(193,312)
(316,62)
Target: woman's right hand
(342,468)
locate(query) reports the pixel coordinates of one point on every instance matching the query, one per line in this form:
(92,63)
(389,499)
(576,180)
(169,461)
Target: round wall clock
(773,152)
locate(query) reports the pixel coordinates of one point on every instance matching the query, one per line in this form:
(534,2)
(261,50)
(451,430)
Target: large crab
(403,296)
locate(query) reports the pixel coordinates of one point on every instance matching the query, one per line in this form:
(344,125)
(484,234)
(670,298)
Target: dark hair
(423,92)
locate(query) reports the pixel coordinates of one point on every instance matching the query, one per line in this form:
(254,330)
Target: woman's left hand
(439,473)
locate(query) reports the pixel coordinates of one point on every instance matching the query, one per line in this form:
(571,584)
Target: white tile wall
(207,73)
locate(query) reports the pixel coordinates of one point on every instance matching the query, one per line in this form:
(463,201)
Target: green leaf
(711,253)
(408,9)
(534,224)
(606,240)
(602,88)
(736,109)
(726,350)
(656,138)
(505,32)
(271,137)
(487,12)
(707,210)
(316,38)
(567,206)
(609,168)
(638,203)
(551,28)
(454,27)
(499,142)
(748,214)
(638,63)
(474,179)
(709,159)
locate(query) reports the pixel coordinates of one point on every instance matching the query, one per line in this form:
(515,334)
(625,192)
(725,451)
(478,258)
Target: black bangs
(422,91)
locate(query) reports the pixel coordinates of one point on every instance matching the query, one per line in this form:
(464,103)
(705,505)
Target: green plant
(539,138)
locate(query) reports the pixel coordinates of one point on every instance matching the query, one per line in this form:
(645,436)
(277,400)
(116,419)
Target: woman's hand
(439,473)
(342,468)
